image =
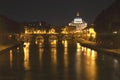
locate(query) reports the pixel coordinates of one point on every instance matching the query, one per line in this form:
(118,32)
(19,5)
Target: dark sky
(53,11)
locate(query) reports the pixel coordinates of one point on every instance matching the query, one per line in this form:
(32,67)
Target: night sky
(57,12)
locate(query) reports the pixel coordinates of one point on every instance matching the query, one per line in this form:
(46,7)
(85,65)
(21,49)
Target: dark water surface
(58,61)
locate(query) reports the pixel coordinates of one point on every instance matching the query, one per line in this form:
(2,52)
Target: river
(66,60)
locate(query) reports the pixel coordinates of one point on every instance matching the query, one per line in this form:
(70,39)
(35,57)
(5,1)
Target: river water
(66,60)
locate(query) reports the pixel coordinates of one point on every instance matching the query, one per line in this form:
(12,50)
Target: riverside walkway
(93,45)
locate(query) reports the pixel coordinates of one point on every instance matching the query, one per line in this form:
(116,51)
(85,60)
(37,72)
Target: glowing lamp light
(115,32)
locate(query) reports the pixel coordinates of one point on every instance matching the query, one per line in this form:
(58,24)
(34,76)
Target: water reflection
(53,45)
(54,60)
(65,62)
(26,56)
(39,40)
(65,43)
(90,63)
(11,58)
(54,55)
(78,50)
(53,41)
(41,51)
(85,63)
(116,70)
(66,57)
(78,61)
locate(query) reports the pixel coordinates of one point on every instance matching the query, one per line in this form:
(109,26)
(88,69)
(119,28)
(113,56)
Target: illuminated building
(89,33)
(78,23)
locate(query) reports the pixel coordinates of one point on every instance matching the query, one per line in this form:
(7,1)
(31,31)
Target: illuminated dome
(78,23)
(78,19)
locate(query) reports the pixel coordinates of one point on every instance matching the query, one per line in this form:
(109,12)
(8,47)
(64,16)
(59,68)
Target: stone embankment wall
(108,40)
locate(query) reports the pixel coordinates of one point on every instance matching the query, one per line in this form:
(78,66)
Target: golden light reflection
(39,40)
(27,44)
(66,57)
(41,50)
(78,45)
(78,60)
(11,58)
(65,43)
(83,50)
(54,55)
(53,43)
(26,56)
(78,49)
(40,44)
(88,51)
(66,63)
(90,68)
(93,55)
(54,60)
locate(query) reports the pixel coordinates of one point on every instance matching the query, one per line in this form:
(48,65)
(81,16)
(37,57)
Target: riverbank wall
(93,45)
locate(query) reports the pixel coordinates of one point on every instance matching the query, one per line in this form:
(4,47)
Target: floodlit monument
(78,23)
